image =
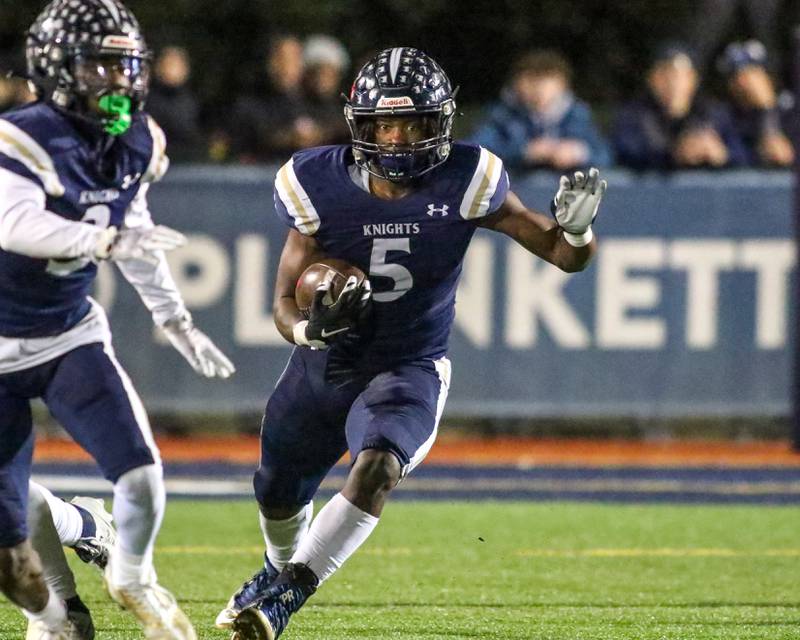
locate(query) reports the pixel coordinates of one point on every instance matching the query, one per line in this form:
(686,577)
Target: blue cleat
(267,618)
(249,593)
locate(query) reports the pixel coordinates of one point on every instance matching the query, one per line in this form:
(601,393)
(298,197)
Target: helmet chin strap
(116,112)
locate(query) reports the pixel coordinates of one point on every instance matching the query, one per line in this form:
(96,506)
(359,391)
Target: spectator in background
(714,20)
(673,126)
(538,121)
(272,123)
(756,110)
(326,60)
(174,106)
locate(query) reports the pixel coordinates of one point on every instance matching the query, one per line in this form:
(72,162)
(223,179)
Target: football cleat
(250,592)
(94,549)
(68,631)
(79,624)
(154,607)
(267,618)
(81,618)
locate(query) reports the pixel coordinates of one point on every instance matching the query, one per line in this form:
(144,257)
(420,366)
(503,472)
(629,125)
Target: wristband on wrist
(579,239)
(299,334)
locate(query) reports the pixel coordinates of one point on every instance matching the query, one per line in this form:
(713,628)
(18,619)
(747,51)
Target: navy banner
(686,309)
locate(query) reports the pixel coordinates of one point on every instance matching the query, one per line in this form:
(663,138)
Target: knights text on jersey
(47,297)
(412,248)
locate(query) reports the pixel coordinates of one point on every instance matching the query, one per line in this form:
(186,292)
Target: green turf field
(440,571)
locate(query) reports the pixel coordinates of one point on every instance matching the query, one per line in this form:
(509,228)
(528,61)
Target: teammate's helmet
(401,82)
(89,57)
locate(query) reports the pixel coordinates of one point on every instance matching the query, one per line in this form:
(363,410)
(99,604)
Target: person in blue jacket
(538,121)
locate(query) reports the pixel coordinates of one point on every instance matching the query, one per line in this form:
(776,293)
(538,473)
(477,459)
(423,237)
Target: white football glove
(197,348)
(576,203)
(113,244)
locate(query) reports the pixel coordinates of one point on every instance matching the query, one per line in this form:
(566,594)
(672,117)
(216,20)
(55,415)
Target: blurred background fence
(685,311)
(685,315)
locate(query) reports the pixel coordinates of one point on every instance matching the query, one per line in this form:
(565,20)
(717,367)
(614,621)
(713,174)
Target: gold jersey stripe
(484,187)
(18,145)
(305,221)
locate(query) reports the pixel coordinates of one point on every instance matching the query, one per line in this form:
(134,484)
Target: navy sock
(89,529)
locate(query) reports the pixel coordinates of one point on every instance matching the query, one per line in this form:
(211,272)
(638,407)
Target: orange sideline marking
(496,451)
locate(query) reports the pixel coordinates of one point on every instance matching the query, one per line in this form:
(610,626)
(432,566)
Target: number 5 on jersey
(398,274)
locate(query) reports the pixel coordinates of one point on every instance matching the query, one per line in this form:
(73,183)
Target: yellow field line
(659,553)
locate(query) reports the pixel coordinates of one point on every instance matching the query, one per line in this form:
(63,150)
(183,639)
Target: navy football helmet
(401,82)
(89,57)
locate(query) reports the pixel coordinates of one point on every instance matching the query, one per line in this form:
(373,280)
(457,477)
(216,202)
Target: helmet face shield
(397,83)
(111,87)
(399,161)
(111,74)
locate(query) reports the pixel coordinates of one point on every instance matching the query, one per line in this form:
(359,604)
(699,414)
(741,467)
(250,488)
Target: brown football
(337,270)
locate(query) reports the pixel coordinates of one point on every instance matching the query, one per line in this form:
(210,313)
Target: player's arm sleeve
(27,228)
(150,274)
(292,203)
(159,161)
(487,188)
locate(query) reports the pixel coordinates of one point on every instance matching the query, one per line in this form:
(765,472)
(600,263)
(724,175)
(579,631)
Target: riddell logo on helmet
(120,42)
(392,103)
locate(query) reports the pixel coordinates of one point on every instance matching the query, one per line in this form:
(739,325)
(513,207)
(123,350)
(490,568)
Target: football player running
(82,524)
(402,203)
(75,167)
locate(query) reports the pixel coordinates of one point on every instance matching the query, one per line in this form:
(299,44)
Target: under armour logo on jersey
(433,210)
(129,180)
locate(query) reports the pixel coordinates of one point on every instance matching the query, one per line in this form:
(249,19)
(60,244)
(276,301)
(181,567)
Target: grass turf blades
(504,570)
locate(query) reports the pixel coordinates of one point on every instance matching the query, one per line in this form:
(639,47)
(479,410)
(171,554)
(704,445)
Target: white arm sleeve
(27,228)
(150,275)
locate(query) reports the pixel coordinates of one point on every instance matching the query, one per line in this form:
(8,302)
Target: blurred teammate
(82,524)
(402,203)
(75,167)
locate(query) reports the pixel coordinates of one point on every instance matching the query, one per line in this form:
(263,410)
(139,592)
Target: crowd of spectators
(295,104)
(537,120)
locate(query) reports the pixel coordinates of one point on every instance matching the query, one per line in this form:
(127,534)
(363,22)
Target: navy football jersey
(412,248)
(40,297)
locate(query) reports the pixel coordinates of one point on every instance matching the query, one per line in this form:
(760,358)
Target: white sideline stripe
(199,486)
(174,486)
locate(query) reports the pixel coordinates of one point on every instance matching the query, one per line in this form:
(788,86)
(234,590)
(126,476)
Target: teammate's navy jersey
(412,248)
(46,297)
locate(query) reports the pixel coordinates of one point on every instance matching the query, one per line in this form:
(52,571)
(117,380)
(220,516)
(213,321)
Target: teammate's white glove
(197,348)
(113,244)
(576,203)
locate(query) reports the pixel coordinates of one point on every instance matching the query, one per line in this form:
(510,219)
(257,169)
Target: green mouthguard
(118,110)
